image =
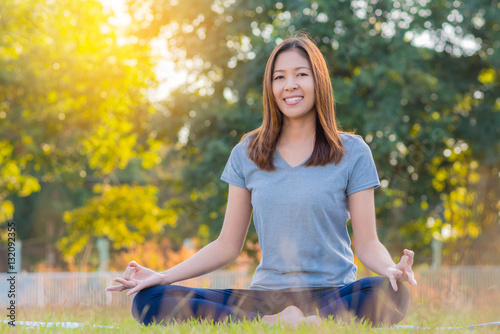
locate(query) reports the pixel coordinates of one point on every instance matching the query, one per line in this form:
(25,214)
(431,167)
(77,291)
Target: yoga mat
(54,324)
(81,325)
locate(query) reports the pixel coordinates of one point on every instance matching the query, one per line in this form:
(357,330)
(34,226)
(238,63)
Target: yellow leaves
(462,212)
(442,174)
(466,103)
(415,130)
(124,214)
(397,202)
(154,145)
(497,104)
(150,159)
(52,97)
(12,180)
(30,185)
(46,149)
(111,146)
(487,76)
(6,210)
(460,168)
(203,231)
(27,140)
(473,230)
(473,177)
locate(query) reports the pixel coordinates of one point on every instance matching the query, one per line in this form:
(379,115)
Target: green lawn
(419,315)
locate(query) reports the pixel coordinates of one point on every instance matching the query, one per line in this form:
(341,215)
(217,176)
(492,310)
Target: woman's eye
(278,77)
(303,74)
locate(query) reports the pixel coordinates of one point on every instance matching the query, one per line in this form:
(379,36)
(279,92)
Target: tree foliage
(74,113)
(123,214)
(429,112)
(417,79)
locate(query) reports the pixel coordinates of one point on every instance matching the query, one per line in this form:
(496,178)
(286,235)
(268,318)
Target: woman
(303,179)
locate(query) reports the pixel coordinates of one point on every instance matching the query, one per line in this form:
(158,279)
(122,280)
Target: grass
(419,315)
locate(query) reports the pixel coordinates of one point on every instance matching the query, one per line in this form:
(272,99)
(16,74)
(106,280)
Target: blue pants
(370,299)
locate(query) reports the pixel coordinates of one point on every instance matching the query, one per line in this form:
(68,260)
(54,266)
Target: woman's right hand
(136,278)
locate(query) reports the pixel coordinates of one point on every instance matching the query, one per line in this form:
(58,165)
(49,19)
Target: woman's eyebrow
(307,68)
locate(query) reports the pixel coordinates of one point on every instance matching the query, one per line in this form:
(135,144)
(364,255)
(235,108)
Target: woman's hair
(263,140)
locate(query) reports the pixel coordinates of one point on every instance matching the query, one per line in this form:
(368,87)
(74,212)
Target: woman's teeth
(293,99)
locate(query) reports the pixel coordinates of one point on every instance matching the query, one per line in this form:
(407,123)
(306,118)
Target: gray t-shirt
(300,214)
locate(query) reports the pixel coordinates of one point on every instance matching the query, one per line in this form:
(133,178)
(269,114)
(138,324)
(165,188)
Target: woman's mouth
(293,100)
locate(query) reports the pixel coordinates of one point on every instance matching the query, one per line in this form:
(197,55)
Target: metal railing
(453,285)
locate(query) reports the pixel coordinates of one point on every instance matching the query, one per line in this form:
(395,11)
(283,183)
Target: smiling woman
(303,179)
(293,85)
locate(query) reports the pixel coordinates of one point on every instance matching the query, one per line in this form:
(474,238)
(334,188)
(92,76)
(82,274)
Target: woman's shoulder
(348,137)
(354,142)
(244,141)
(241,147)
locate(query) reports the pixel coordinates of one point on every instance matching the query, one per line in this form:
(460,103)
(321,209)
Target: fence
(72,289)
(471,285)
(454,285)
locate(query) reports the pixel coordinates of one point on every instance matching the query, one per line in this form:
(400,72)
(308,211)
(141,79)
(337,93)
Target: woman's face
(293,84)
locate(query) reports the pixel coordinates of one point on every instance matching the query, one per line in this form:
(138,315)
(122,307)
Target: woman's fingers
(410,255)
(128,272)
(134,290)
(126,283)
(411,278)
(394,283)
(394,274)
(117,288)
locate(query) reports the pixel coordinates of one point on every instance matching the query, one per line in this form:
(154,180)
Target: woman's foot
(291,315)
(314,320)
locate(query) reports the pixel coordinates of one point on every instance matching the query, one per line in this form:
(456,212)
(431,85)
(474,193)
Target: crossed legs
(370,298)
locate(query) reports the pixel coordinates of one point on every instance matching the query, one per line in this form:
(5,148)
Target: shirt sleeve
(362,172)
(233,172)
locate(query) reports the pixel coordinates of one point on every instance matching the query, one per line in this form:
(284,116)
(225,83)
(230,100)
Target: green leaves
(406,101)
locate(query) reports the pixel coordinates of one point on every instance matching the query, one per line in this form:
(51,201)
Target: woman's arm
(369,249)
(218,253)
(226,248)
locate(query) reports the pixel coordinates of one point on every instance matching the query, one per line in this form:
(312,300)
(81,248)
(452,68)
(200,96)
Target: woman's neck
(298,131)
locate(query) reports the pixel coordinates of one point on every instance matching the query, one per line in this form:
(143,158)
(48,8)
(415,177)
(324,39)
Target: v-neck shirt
(300,215)
(290,166)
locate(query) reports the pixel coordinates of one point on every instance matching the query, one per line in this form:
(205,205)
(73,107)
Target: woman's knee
(140,306)
(389,306)
(402,301)
(145,304)
(395,303)
(161,303)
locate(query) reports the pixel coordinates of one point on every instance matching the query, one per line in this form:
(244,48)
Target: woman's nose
(291,85)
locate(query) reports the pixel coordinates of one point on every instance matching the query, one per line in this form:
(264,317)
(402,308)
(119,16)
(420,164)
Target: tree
(74,112)
(412,104)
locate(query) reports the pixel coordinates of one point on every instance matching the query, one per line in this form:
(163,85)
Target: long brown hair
(328,145)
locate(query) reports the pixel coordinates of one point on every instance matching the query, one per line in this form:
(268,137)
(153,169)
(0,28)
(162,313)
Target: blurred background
(117,119)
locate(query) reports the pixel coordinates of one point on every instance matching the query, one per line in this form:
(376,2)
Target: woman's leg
(369,298)
(171,302)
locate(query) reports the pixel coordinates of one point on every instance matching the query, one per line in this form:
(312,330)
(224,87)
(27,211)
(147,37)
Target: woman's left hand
(402,272)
